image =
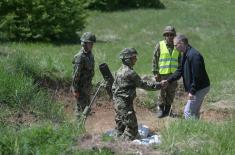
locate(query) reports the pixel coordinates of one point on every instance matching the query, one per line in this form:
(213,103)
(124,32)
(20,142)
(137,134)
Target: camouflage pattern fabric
(124,91)
(82,77)
(166,96)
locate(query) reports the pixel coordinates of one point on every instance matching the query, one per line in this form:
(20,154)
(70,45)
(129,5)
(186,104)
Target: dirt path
(102,118)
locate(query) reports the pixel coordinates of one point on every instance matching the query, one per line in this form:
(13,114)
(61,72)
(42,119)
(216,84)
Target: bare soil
(102,115)
(101,120)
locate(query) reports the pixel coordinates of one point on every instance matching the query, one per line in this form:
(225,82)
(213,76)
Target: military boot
(161,111)
(167,110)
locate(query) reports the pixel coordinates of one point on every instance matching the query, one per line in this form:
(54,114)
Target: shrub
(43,20)
(108,5)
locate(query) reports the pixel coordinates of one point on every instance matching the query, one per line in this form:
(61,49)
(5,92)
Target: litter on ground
(147,138)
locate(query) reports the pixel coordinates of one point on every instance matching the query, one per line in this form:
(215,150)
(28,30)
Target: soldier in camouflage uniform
(83,72)
(166,60)
(126,81)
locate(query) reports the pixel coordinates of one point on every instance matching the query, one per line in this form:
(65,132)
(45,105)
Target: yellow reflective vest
(167,63)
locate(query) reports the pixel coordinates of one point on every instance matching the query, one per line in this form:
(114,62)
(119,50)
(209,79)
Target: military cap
(88,37)
(169,29)
(128,53)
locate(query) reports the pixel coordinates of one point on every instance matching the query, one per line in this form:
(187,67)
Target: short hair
(181,37)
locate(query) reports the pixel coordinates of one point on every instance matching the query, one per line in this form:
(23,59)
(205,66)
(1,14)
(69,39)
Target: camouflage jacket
(83,73)
(127,80)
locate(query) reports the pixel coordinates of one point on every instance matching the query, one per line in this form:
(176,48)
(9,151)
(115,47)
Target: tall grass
(197,137)
(19,91)
(45,138)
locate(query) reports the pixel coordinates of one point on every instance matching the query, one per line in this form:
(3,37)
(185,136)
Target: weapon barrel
(108,77)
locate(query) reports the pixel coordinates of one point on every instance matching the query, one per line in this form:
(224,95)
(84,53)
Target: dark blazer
(193,71)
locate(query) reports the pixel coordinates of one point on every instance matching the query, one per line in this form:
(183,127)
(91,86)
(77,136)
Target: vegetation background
(31,71)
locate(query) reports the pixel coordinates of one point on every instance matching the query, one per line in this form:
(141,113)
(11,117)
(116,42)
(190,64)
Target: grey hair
(181,38)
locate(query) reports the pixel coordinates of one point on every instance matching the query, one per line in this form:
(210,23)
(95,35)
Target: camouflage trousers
(82,101)
(126,121)
(166,96)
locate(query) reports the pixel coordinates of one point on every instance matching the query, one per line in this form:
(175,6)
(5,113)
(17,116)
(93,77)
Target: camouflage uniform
(166,97)
(124,91)
(83,73)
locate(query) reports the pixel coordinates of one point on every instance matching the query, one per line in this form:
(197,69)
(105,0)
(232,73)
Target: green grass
(210,28)
(45,138)
(208,24)
(197,137)
(18,90)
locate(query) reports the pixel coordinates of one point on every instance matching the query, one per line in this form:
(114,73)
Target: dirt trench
(102,115)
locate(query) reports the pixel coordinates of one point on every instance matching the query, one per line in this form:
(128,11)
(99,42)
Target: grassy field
(210,28)
(208,24)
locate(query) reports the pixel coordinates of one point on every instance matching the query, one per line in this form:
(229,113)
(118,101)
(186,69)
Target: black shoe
(161,112)
(161,115)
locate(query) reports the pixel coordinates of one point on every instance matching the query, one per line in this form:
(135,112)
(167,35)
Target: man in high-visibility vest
(166,60)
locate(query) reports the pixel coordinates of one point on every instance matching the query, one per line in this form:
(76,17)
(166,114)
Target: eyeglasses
(169,35)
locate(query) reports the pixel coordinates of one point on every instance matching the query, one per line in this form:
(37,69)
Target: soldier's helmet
(128,53)
(169,29)
(88,37)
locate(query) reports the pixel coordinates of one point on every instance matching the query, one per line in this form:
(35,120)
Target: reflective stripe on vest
(167,63)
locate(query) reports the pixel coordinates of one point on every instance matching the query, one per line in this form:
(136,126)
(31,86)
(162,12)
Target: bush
(41,20)
(109,5)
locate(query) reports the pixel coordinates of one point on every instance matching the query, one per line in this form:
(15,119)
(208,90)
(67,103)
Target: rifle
(87,109)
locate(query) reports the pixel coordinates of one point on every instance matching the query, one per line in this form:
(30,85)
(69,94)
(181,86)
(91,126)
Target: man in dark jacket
(195,78)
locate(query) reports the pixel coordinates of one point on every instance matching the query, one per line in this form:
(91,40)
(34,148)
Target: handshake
(164,84)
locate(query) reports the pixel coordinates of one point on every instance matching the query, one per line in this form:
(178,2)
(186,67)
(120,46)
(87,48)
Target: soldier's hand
(76,94)
(158,77)
(164,84)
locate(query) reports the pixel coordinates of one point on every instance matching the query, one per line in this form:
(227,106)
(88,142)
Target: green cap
(127,53)
(88,37)
(169,29)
